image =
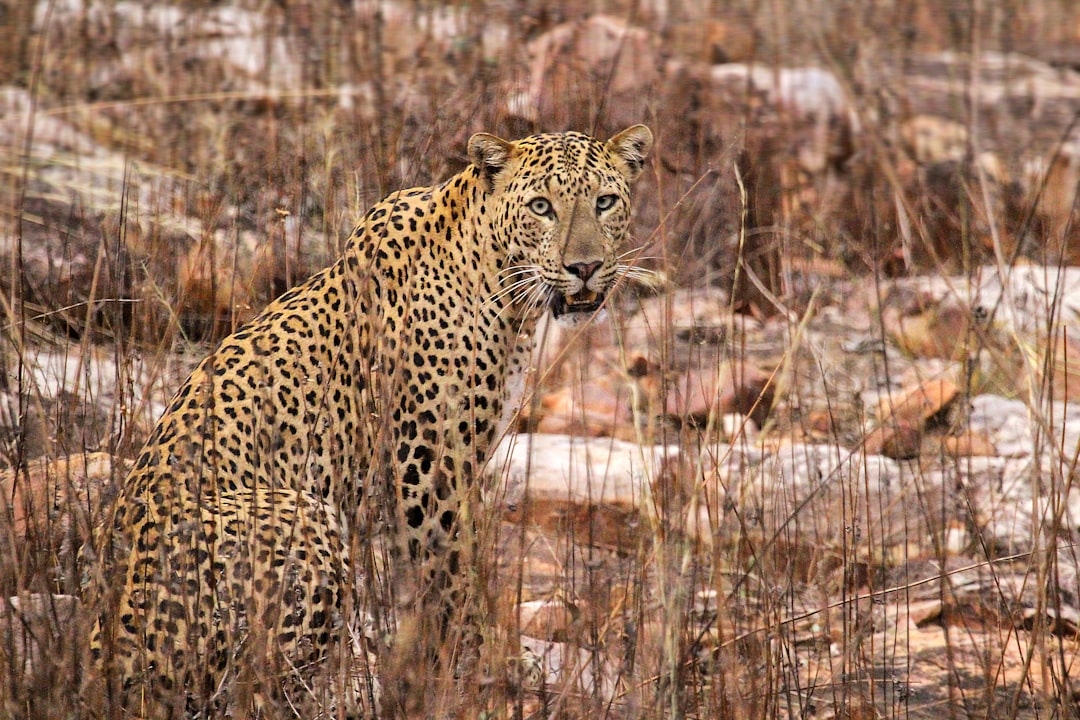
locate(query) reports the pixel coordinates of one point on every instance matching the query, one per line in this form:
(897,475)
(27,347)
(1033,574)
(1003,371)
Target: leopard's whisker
(529,271)
(517,270)
(631,251)
(645,276)
(536,295)
(634,270)
(527,292)
(512,289)
(524,290)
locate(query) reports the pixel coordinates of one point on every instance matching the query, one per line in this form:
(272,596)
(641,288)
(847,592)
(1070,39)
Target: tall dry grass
(344,103)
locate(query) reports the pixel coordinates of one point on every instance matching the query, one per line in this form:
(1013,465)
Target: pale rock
(1004,421)
(571,670)
(600,61)
(812,96)
(36,631)
(1011,426)
(553,619)
(607,486)
(244,39)
(737,425)
(577,470)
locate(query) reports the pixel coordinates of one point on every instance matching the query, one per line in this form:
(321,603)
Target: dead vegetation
(831,464)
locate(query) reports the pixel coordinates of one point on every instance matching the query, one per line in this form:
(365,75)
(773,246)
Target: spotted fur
(367,397)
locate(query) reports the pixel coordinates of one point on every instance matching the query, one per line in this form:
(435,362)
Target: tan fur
(239,553)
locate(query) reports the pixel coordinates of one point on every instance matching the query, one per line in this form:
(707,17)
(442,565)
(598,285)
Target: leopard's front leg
(442,604)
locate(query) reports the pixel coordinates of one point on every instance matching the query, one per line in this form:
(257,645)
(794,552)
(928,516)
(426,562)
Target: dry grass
(137,118)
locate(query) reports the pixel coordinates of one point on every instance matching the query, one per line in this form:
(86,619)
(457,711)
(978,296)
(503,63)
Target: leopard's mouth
(584,301)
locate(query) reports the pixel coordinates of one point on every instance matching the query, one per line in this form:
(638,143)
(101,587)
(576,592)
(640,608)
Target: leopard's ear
(632,145)
(489,154)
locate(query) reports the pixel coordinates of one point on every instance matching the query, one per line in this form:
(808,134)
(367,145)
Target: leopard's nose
(583,270)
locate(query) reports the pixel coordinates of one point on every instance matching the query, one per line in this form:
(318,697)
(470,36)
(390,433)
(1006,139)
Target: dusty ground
(810,574)
(931,572)
(825,471)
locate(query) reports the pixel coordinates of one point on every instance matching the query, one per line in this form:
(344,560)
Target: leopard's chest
(518,380)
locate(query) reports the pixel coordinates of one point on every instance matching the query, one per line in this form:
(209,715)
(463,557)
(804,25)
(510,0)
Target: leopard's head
(560,203)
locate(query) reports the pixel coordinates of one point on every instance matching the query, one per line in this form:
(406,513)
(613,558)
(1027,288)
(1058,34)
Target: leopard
(361,404)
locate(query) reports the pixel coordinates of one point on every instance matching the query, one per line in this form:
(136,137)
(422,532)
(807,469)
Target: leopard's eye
(606,202)
(541,206)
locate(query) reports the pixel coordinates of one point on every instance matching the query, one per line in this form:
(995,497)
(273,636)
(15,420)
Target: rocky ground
(842,527)
(912,514)
(825,470)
